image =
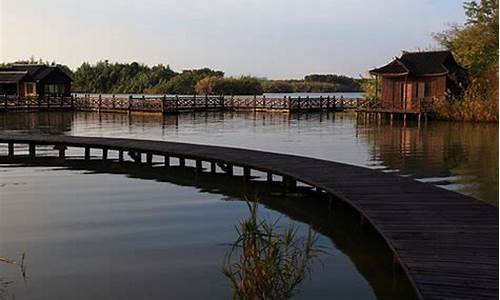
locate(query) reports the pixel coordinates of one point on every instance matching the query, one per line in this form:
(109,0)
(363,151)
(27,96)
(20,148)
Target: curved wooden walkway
(446,242)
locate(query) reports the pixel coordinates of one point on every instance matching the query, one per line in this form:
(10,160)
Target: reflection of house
(411,82)
(34,80)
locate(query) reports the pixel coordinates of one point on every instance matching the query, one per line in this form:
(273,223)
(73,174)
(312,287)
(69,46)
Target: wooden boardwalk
(447,243)
(175,104)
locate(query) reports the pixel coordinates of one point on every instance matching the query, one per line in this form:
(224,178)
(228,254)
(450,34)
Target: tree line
(105,77)
(126,78)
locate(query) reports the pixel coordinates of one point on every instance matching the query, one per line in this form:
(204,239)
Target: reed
(264,263)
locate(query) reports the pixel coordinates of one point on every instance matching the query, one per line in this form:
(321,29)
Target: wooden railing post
(129,104)
(176,103)
(5,102)
(254,102)
(263,101)
(194,101)
(163,104)
(328,103)
(206,102)
(334,103)
(99,103)
(321,102)
(72,102)
(308,105)
(298,103)
(62,101)
(113,100)
(223,100)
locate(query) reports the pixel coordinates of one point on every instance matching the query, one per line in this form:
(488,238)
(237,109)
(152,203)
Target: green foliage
(266,264)
(475,47)
(105,77)
(244,85)
(314,83)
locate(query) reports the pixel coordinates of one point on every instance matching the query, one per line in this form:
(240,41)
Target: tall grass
(266,264)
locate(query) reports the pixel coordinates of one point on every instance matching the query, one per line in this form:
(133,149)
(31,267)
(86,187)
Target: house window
(54,89)
(427,89)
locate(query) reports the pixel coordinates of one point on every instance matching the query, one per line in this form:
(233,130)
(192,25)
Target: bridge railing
(169,103)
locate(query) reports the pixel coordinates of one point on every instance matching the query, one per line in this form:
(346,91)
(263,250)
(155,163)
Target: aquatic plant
(266,264)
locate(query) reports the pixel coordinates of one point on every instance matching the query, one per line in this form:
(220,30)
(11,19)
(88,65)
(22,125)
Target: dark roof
(431,63)
(37,71)
(12,76)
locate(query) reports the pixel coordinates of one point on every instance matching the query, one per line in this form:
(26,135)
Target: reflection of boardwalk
(446,242)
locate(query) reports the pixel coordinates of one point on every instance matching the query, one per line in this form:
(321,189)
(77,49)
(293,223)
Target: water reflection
(458,156)
(336,221)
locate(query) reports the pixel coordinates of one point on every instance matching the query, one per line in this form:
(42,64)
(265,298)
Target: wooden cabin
(413,81)
(34,81)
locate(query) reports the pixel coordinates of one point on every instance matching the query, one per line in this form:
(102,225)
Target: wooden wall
(399,93)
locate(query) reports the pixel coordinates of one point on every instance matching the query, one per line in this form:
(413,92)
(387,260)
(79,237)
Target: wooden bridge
(447,243)
(174,104)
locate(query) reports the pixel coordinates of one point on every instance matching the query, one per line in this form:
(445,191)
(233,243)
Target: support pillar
(166,159)
(199,166)
(269,177)
(213,167)
(120,155)
(11,149)
(87,153)
(149,158)
(182,162)
(246,173)
(104,153)
(32,150)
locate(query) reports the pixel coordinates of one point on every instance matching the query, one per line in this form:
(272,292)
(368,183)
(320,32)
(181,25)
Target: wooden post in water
(269,177)
(213,167)
(246,173)
(62,102)
(223,104)
(120,155)
(32,150)
(206,102)
(254,102)
(149,158)
(263,101)
(182,162)
(87,153)
(11,149)
(100,103)
(62,151)
(104,153)
(166,159)
(321,102)
(298,103)
(199,166)
(176,103)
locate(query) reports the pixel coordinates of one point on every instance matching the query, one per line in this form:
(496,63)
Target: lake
(122,231)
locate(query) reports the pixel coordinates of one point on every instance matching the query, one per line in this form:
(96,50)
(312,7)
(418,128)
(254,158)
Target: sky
(275,39)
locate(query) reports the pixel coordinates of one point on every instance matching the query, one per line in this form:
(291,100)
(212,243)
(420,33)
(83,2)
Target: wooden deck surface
(446,242)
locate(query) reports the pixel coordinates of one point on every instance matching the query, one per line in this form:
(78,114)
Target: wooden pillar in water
(87,153)
(213,167)
(120,155)
(11,149)
(199,166)
(182,162)
(149,158)
(246,173)
(104,153)
(269,177)
(32,150)
(166,160)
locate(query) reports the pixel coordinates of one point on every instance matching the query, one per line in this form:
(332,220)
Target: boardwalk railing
(170,104)
(447,243)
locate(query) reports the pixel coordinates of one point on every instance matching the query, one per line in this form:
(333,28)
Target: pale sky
(265,38)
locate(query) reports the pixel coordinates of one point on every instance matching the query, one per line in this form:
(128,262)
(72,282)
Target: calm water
(110,231)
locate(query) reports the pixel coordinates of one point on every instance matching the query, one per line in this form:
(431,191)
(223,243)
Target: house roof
(37,71)
(12,76)
(430,63)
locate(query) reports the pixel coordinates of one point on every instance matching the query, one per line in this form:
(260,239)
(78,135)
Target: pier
(176,104)
(446,243)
